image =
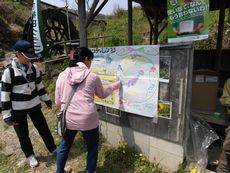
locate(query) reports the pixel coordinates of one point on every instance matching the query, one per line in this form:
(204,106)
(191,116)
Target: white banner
(40,47)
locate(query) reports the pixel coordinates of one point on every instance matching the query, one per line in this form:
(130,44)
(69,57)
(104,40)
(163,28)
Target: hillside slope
(13,16)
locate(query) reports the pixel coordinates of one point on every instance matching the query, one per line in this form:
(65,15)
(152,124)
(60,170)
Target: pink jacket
(82,112)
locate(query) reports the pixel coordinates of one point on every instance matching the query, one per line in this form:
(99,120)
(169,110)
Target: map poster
(188,20)
(138,69)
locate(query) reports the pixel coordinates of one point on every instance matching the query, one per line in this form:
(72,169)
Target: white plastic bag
(199,137)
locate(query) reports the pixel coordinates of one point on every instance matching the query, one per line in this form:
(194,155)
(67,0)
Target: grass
(122,159)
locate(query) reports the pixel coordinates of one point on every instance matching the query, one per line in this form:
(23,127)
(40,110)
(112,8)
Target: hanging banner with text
(40,46)
(138,69)
(187,20)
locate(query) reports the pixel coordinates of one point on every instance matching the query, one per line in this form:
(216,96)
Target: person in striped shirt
(21,95)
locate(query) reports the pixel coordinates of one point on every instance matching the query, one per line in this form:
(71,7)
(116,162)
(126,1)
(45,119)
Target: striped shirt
(25,91)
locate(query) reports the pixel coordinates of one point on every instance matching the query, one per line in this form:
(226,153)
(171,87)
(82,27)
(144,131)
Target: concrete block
(168,160)
(167,146)
(169,154)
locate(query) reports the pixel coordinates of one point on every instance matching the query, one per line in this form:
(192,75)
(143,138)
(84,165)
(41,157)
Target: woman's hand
(116,85)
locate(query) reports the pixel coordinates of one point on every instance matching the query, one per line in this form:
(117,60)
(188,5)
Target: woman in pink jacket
(82,113)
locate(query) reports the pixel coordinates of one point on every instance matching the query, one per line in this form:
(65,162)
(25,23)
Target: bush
(2,53)
(126,159)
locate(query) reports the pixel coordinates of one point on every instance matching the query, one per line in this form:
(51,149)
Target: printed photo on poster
(164,109)
(164,92)
(112,111)
(165,66)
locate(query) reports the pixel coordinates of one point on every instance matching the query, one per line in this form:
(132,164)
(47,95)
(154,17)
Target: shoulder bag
(61,116)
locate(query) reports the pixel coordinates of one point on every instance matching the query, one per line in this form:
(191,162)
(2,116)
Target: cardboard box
(204,90)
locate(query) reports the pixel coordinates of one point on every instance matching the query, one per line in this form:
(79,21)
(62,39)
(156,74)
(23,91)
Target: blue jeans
(91,138)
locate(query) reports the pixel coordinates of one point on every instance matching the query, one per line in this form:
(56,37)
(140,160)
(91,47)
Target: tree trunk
(82,19)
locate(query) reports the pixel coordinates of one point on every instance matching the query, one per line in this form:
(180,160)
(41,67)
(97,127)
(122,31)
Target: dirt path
(10,148)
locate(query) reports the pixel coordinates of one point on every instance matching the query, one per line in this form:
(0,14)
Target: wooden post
(82,19)
(130,23)
(220,35)
(151,34)
(155,27)
(67,18)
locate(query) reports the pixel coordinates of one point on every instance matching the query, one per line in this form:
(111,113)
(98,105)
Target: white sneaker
(68,170)
(32,161)
(54,153)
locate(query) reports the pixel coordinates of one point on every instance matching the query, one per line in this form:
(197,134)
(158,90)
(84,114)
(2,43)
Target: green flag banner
(187,20)
(40,46)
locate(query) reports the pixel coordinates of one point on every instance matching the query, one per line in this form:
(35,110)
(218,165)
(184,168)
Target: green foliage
(162,39)
(19,13)
(182,168)
(164,73)
(50,86)
(13,16)
(116,29)
(141,27)
(125,159)
(163,108)
(210,43)
(62,66)
(2,53)
(6,165)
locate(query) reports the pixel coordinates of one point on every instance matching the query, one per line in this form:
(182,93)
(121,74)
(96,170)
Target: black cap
(26,48)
